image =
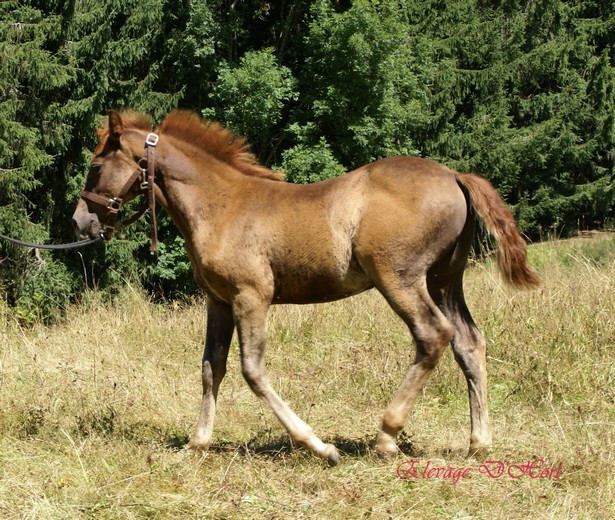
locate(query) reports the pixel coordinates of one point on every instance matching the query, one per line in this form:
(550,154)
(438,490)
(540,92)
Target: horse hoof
(332,455)
(197,446)
(479,452)
(385,455)
(386,449)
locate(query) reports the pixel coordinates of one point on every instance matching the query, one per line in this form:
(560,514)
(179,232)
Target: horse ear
(115,126)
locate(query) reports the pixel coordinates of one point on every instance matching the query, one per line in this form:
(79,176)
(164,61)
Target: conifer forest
(519,91)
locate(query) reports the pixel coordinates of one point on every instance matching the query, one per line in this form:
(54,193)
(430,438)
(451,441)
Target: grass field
(94,411)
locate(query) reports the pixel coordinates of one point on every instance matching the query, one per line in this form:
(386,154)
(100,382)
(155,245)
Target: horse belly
(311,283)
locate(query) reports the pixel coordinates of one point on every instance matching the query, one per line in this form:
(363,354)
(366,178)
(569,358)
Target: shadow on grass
(176,442)
(264,444)
(276,445)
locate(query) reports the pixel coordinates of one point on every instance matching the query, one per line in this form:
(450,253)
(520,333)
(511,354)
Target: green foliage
(362,88)
(192,52)
(597,252)
(171,275)
(526,90)
(43,291)
(520,91)
(34,78)
(249,97)
(304,163)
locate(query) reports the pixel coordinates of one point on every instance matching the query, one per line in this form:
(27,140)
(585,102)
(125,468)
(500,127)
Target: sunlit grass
(94,411)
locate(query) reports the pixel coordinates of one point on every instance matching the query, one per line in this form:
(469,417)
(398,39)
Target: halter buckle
(114,204)
(151,139)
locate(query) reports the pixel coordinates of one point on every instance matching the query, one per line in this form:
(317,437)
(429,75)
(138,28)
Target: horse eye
(95,167)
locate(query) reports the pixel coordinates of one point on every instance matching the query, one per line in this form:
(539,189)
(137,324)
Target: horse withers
(403,225)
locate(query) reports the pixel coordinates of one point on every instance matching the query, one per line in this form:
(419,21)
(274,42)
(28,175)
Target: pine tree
(34,77)
(523,95)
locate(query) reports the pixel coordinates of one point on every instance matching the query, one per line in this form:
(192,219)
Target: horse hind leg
(432,332)
(469,349)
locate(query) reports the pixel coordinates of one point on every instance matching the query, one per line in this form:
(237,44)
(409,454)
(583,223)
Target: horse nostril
(75,225)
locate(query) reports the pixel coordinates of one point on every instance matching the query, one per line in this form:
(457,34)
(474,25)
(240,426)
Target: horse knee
(207,373)
(446,331)
(255,376)
(429,358)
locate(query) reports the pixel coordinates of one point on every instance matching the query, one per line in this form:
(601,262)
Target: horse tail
(500,222)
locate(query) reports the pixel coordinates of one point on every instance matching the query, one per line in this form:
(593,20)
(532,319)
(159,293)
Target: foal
(403,225)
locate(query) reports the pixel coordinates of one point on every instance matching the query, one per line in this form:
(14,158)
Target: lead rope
(71,245)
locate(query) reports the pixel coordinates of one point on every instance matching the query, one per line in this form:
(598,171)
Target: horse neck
(190,185)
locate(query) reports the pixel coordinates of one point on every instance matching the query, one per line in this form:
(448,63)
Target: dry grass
(93,412)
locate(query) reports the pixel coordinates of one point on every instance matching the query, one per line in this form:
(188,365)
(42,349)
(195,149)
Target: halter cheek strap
(144,172)
(150,145)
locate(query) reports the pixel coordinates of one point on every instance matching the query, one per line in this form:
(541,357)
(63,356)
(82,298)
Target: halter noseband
(111,206)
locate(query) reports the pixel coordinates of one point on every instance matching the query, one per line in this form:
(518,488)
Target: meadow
(95,410)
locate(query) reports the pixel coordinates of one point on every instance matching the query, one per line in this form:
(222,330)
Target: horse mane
(216,140)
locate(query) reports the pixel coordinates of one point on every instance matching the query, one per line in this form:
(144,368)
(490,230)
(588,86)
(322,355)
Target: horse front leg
(251,317)
(220,327)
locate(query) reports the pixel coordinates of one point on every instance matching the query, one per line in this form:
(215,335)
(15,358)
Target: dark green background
(522,92)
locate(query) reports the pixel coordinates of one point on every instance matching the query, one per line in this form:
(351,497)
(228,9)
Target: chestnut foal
(403,225)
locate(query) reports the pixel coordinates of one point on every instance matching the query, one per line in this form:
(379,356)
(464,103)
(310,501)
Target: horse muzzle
(87,224)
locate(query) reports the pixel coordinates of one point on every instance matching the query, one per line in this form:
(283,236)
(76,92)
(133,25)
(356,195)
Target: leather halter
(145,174)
